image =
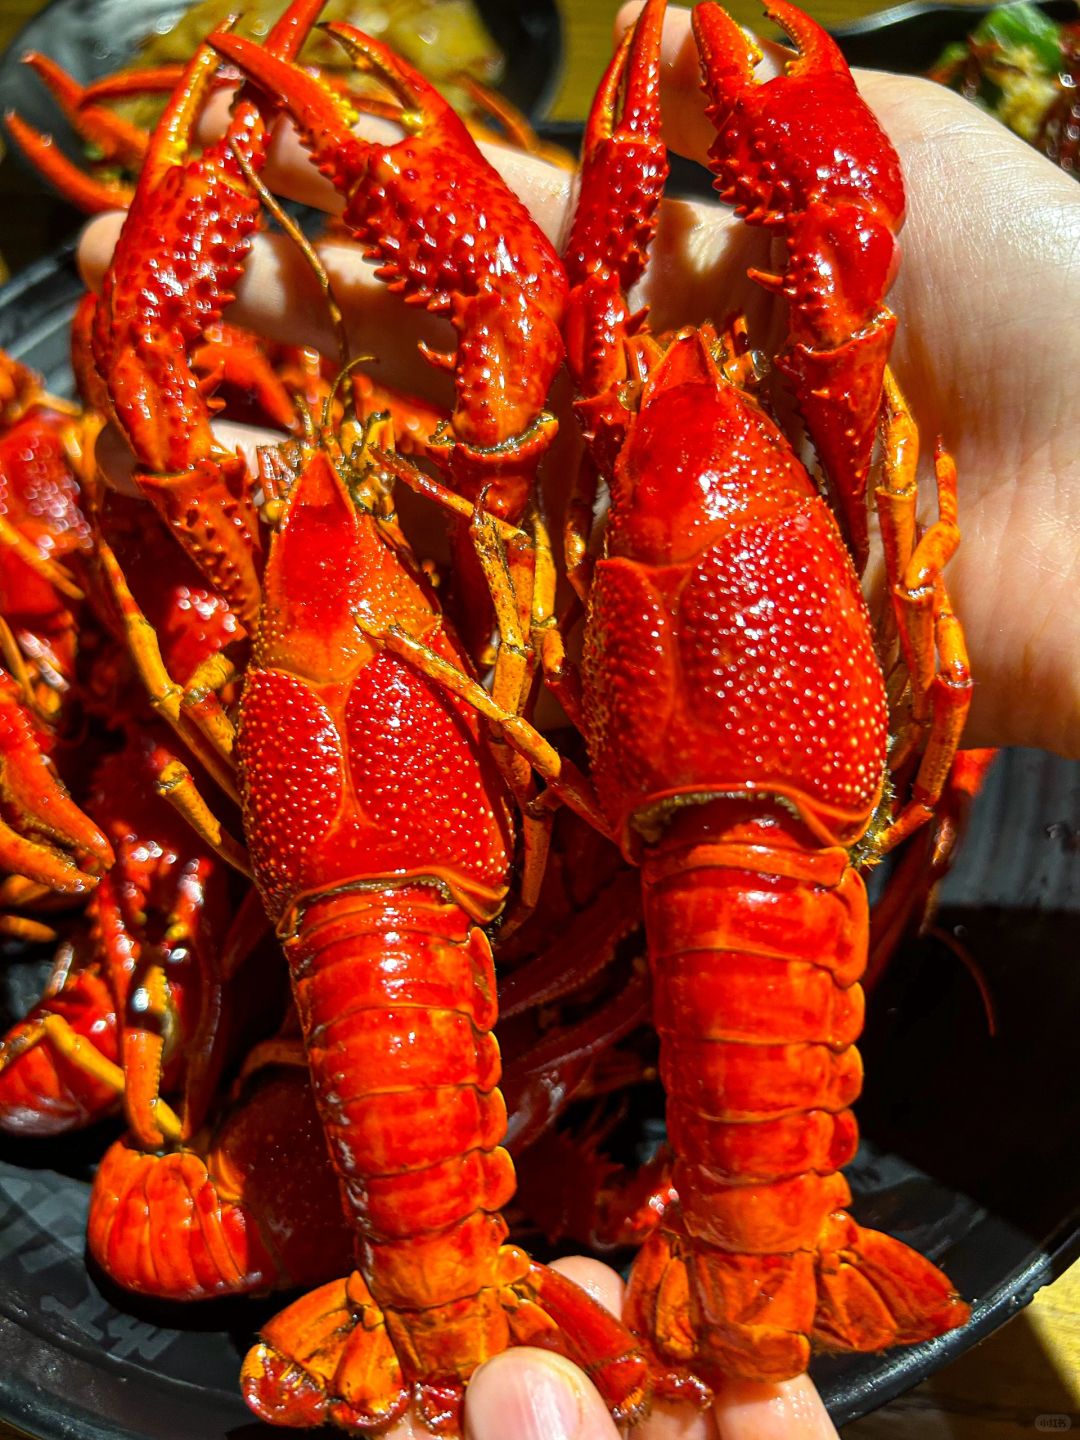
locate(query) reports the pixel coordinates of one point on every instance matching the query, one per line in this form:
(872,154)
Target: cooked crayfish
(731,699)
(746,775)
(378,829)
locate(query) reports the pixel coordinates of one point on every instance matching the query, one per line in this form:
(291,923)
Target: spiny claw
(803,153)
(447,233)
(91,196)
(178,258)
(117,139)
(624,168)
(43,1092)
(410,203)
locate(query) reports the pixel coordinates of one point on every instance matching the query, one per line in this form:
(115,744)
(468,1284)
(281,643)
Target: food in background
(1024,68)
(445,39)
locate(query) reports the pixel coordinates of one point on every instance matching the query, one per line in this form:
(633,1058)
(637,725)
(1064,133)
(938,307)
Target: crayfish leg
(594,1339)
(931,639)
(44,1087)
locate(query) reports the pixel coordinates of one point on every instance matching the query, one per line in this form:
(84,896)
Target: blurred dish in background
(516,48)
(1024,68)
(444,39)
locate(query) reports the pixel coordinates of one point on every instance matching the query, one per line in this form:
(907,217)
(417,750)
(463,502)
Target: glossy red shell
(728,647)
(355,765)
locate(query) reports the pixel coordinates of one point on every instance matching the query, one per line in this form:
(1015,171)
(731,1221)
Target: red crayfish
(731,699)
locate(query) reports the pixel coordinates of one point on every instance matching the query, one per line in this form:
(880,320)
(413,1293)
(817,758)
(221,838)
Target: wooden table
(1025,1379)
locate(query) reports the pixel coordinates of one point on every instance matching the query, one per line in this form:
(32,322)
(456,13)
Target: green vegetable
(1022,27)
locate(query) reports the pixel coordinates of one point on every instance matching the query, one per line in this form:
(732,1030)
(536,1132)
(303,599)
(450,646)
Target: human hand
(533,1395)
(987,349)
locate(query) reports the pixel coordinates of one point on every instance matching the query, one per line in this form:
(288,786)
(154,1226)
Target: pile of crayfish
(293,774)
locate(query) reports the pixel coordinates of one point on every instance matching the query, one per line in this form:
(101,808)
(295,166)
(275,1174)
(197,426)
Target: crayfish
(746,752)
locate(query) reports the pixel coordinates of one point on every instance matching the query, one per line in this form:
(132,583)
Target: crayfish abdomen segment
(756,945)
(396,993)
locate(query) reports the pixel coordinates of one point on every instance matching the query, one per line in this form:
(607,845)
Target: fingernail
(528,1397)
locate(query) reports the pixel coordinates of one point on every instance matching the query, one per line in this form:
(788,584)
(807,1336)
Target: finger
(687,129)
(600,1281)
(117,464)
(745,1410)
(534,1395)
(665,1422)
(677,1422)
(790,1410)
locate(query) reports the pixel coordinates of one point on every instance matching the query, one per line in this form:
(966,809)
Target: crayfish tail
(258,1208)
(874,1291)
(212,1246)
(396,994)
(710,1313)
(758,1262)
(327,1358)
(335,1357)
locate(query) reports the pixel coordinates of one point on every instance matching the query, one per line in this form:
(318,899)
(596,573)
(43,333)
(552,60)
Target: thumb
(534,1395)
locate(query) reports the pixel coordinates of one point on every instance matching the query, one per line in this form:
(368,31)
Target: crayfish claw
(623,172)
(406,83)
(818,52)
(624,163)
(803,153)
(321,117)
(634,74)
